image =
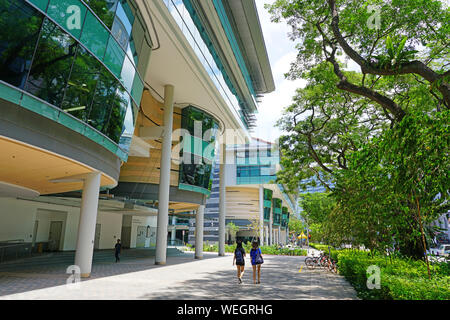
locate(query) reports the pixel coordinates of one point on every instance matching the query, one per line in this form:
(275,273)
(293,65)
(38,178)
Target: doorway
(98,229)
(54,235)
(141,236)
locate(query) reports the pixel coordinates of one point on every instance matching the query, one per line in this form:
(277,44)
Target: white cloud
(281,53)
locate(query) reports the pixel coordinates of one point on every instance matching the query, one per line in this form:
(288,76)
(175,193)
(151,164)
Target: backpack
(239,256)
(259,259)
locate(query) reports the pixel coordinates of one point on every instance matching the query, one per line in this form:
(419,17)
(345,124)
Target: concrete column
(279,234)
(266,235)
(222,200)
(270,228)
(199,222)
(88,220)
(261,214)
(173,234)
(164,178)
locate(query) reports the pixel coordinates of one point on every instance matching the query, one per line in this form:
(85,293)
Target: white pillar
(266,235)
(164,178)
(261,215)
(199,221)
(88,220)
(270,227)
(279,234)
(173,234)
(222,200)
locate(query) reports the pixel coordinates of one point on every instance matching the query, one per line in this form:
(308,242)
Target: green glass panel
(95,36)
(71,123)
(52,64)
(137,89)
(81,85)
(93,135)
(39,107)
(267,204)
(10,94)
(108,144)
(41,4)
(114,57)
(122,154)
(19,32)
(69,14)
(104,9)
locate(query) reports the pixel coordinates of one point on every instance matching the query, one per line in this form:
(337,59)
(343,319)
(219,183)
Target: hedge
(401,279)
(271,250)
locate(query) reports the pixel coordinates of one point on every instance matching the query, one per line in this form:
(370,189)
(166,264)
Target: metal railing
(10,251)
(175,243)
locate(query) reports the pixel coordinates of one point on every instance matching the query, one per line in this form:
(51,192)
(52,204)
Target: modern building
(112,111)
(255,203)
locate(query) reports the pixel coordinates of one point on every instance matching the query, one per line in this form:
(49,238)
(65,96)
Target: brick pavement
(182,278)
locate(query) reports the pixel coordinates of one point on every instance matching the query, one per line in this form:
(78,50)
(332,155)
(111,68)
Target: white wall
(111,228)
(137,221)
(16,222)
(17,218)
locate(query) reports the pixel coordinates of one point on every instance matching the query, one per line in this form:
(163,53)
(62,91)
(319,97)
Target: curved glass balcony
(198,152)
(76,62)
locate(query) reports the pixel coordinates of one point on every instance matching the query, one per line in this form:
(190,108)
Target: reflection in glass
(105,97)
(52,64)
(121,103)
(81,85)
(104,9)
(19,31)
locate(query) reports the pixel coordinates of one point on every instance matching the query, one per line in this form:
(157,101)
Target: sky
(281,53)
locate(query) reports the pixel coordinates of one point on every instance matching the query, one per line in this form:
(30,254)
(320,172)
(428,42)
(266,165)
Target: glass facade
(81,57)
(189,23)
(277,211)
(284,217)
(256,167)
(198,151)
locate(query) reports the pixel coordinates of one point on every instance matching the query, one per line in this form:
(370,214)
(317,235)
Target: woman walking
(239,258)
(257,260)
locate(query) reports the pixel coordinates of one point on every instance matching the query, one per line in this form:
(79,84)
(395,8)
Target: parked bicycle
(322,261)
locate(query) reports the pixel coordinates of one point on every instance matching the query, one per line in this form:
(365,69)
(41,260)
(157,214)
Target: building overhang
(243,16)
(176,63)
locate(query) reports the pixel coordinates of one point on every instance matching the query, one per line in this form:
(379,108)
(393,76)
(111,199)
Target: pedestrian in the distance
(239,258)
(118,250)
(257,261)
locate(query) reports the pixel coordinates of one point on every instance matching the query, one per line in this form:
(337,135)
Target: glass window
(94,36)
(69,14)
(41,4)
(19,31)
(121,103)
(128,126)
(128,73)
(104,9)
(114,57)
(50,72)
(122,26)
(81,85)
(104,98)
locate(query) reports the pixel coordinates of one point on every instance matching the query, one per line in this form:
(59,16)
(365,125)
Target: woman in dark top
(256,261)
(239,258)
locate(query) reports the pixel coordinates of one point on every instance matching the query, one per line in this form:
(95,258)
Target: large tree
(401,71)
(410,38)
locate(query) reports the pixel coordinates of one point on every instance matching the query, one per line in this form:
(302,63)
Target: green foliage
(394,184)
(401,279)
(271,250)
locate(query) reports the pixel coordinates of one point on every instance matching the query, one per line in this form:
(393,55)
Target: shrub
(401,279)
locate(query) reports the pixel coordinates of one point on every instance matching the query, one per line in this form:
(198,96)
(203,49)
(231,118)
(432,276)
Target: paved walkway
(213,278)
